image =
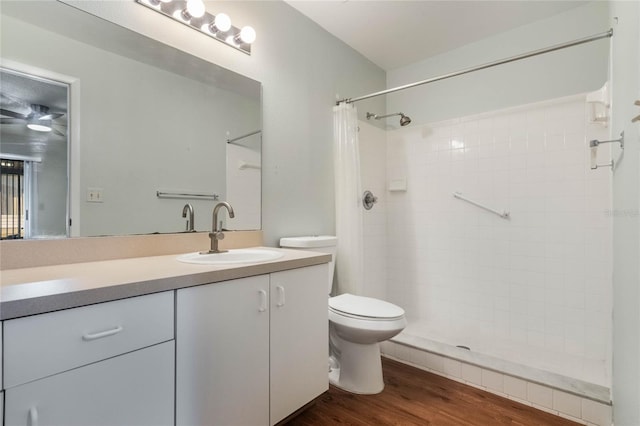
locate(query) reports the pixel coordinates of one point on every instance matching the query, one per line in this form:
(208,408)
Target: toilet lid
(364,306)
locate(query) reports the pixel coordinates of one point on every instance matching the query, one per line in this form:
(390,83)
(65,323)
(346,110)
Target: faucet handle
(217,235)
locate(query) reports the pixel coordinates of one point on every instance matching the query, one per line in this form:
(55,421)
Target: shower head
(404,120)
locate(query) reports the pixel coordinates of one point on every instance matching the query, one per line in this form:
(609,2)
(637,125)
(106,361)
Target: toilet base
(360,369)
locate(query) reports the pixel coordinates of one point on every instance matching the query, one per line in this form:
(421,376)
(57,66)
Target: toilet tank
(320,243)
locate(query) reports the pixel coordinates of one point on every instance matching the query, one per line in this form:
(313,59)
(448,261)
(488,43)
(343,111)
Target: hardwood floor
(416,397)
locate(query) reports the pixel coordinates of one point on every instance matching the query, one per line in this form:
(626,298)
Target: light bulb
(196,8)
(248,35)
(39,127)
(222,22)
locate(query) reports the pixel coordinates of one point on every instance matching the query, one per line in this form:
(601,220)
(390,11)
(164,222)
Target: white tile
(403,353)
(493,380)
(456,275)
(432,361)
(452,368)
(539,395)
(471,373)
(387,348)
(573,419)
(596,412)
(545,409)
(567,403)
(521,401)
(515,387)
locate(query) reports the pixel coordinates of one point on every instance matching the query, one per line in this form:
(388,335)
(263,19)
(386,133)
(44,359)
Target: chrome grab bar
(503,214)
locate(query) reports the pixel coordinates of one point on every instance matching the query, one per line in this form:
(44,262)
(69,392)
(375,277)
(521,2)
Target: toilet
(357,325)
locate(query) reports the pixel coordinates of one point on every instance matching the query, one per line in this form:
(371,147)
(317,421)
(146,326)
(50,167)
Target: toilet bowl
(357,325)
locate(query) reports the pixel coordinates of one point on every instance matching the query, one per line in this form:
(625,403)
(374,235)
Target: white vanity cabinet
(104,364)
(222,357)
(131,389)
(251,351)
(298,339)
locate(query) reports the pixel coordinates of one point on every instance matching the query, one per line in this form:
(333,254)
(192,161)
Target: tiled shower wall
(542,278)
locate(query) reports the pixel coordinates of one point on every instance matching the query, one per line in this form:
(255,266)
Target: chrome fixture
(232,140)
(503,214)
(368,200)
(189,195)
(216,233)
(188,208)
(193,14)
(577,42)
(593,145)
(404,120)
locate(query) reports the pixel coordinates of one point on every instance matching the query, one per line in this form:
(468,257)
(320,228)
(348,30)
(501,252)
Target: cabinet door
(222,364)
(299,338)
(132,389)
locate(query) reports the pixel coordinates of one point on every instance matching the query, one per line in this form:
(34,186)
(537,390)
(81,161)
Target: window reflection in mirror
(33,155)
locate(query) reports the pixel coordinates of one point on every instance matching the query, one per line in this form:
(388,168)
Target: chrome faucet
(216,234)
(188,208)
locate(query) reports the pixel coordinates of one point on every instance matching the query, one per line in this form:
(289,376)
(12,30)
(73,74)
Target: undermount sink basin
(231,257)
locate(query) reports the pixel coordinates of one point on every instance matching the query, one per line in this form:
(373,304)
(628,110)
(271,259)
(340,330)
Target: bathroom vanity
(152,341)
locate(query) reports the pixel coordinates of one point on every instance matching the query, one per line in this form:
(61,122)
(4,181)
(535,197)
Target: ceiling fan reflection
(39,119)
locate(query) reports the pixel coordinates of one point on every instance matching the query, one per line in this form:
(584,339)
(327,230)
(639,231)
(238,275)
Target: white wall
(303,70)
(569,71)
(625,79)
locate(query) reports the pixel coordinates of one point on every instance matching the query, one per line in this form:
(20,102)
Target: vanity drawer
(42,345)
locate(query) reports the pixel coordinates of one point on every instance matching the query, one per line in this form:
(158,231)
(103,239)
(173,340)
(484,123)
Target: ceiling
(395,33)
(17,93)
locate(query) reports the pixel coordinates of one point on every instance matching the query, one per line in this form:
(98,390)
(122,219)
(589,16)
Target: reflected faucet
(188,208)
(216,234)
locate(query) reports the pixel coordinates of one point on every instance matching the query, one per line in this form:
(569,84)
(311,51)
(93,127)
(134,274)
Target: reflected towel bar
(503,214)
(243,136)
(243,165)
(189,195)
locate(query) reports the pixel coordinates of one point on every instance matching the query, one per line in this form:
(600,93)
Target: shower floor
(572,373)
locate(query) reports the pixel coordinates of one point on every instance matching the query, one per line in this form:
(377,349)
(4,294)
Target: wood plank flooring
(416,397)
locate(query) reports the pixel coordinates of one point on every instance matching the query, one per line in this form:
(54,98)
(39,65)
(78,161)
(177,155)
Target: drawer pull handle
(33,417)
(281,301)
(100,335)
(263,301)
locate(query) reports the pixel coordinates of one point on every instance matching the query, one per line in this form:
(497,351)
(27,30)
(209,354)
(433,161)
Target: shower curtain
(349,260)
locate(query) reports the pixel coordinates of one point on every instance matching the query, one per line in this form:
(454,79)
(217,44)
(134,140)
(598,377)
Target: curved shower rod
(577,42)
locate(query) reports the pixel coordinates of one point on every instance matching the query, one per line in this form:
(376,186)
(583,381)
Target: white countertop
(30,291)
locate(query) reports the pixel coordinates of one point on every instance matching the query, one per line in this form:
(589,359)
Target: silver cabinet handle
(100,335)
(281,301)
(32,418)
(263,300)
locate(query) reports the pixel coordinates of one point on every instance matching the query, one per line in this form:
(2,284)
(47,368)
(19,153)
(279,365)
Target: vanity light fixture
(193,14)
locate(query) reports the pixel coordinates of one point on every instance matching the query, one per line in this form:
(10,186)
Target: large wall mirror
(138,130)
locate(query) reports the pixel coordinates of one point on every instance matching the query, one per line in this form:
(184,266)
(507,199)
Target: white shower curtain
(349,261)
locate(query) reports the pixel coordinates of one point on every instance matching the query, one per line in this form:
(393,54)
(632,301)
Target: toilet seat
(367,308)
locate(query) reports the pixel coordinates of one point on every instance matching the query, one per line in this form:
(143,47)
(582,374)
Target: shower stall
(494,232)
(523,290)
